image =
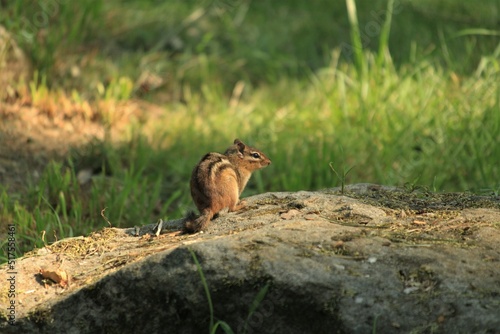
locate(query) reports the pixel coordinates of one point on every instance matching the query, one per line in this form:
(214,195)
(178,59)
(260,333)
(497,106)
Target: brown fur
(218,180)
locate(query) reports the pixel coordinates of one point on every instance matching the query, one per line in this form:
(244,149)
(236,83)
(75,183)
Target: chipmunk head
(247,156)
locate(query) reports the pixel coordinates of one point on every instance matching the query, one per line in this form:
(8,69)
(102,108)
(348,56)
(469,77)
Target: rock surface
(373,259)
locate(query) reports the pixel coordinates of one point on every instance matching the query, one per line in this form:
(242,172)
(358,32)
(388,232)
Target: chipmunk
(218,180)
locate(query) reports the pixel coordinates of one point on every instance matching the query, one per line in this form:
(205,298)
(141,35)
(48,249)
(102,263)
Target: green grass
(57,206)
(45,28)
(317,86)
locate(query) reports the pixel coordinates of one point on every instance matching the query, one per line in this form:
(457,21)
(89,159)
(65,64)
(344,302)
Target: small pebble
(84,176)
(410,290)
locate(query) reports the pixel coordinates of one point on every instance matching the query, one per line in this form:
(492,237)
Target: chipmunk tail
(193,223)
(191,215)
(189,222)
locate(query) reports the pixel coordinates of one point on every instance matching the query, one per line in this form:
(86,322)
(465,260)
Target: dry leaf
(58,276)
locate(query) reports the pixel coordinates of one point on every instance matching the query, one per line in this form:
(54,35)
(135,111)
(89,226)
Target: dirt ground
(29,139)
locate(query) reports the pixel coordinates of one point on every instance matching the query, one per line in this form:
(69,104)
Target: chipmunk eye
(256,155)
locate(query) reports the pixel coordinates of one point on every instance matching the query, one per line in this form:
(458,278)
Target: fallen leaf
(58,276)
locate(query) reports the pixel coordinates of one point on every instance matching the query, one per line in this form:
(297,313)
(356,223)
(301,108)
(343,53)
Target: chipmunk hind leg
(235,203)
(229,194)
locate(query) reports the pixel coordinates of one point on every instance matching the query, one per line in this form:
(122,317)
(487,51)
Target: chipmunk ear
(240,146)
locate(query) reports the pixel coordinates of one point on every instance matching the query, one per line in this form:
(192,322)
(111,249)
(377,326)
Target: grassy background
(413,101)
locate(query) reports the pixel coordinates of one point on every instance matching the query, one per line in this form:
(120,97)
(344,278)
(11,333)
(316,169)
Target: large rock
(334,264)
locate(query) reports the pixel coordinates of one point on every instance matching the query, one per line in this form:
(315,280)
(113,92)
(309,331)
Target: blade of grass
(224,325)
(356,37)
(205,287)
(383,47)
(255,304)
(477,31)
